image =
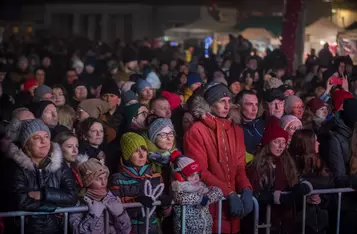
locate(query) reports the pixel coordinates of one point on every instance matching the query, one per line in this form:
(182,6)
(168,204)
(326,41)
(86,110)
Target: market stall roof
(323,28)
(205,25)
(352,26)
(258,34)
(349,35)
(270,23)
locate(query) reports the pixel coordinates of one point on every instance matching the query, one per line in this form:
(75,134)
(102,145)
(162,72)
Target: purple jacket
(84,223)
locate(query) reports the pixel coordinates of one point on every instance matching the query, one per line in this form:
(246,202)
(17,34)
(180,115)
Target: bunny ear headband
(153,194)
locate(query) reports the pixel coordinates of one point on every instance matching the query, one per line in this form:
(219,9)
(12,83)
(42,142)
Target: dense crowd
(88,124)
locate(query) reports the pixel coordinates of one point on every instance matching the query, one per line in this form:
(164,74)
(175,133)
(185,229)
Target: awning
(270,23)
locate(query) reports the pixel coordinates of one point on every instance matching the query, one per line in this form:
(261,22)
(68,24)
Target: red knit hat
(173,99)
(181,163)
(29,84)
(315,104)
(338,97)
(273,131)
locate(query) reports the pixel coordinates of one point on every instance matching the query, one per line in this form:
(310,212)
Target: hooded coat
(198,217)
(218,146)
(55,182)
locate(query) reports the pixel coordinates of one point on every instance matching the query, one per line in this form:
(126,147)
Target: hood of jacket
(199,107)
(340,127)
(25,162)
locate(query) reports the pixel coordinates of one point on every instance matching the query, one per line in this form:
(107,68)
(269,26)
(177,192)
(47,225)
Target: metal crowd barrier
(80,209)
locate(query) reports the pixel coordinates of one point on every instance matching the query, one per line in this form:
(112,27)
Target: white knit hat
(287,119)
(181,163)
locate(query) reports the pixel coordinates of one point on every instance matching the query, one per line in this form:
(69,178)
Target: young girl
(190,191)
(136,182)
(99,200)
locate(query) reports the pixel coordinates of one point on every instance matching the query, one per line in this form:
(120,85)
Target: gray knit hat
(216,91)
(30,127)
(156,127)
(128,96)
(40,91)
(290,102)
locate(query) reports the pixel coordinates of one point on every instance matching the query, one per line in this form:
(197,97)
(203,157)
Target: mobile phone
(336,81)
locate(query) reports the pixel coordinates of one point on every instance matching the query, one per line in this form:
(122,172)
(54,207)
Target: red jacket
(218,146)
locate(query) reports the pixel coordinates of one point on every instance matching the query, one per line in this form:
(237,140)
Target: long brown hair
(302,149)
(353,160)
(263,165)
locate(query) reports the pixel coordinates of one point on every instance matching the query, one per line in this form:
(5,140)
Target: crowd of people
(83,125)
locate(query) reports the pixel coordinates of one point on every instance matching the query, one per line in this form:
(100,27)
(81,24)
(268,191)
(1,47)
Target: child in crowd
(190,191)
(95,177)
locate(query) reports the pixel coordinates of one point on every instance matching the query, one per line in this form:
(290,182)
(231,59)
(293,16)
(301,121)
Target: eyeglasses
(294,128)
(299,107)
(164,135)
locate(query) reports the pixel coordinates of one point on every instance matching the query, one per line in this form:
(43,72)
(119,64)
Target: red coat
(218,146)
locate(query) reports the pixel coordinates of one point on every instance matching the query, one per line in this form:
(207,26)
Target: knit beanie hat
(193,78)
(131,111)
(290,102)
(154,80)
(315,104)
(135,77)
(273,131)
(338,98)
(40,91)
(157,126)
(129,55)
(181,163)
(141,84)
(272,83)
(37,108)
(90,170)
(215,92)
(30,127)
(129,143)
(127,86)
(287,119)
(94,107)
(77,63)
(173,99)
(110,86)
(29,84)
(78,83)
(128,96)
(349,112)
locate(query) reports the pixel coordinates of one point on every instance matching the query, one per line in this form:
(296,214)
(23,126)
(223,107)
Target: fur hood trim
(186,187)
(81,158)
(199,107)
(25,162)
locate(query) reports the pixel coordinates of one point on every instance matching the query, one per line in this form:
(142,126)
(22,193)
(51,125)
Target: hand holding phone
(336,80)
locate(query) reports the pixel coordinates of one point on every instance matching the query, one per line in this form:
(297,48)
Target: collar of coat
(25,162)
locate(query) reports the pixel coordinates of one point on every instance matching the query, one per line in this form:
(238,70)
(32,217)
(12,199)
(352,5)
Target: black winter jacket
(55,182)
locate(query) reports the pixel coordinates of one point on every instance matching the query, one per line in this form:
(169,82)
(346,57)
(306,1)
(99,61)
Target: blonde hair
(66,116)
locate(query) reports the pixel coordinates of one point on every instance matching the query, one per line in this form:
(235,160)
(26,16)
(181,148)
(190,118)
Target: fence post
(183,219)
(219,216)
(22,220)
(338,213)
(268,219)
(303,215)
(256,215)
(65,231)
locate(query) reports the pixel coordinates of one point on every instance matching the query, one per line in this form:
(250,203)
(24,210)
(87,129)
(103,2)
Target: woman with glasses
(294,106)
(290,123)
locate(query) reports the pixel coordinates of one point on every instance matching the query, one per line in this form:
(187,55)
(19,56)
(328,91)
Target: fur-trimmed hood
(25,162)
(198,107)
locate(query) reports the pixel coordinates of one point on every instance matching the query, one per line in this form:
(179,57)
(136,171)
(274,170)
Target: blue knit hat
(142,84)
(193,78)
(156,127)
(30,127)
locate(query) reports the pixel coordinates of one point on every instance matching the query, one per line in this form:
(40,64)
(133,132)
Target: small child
(190,191)
(95,177)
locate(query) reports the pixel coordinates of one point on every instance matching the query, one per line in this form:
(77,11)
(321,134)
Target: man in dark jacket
(111,94)
(253,127)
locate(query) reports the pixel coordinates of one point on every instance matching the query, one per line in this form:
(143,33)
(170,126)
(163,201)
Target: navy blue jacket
(253,132)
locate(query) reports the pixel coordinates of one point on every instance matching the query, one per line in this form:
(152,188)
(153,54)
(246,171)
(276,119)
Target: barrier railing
(80,209)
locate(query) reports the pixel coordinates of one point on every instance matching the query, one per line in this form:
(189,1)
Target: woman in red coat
(218,146)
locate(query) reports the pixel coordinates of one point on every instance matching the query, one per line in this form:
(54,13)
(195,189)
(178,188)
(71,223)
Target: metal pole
(147,220)
(256,215)
(268,219)
(183,219)
(22,220)
(65,223)
(303,215)
(338,213)
(219,216)
(106,222)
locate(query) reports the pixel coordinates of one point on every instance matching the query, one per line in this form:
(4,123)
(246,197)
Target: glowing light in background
(208,43)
